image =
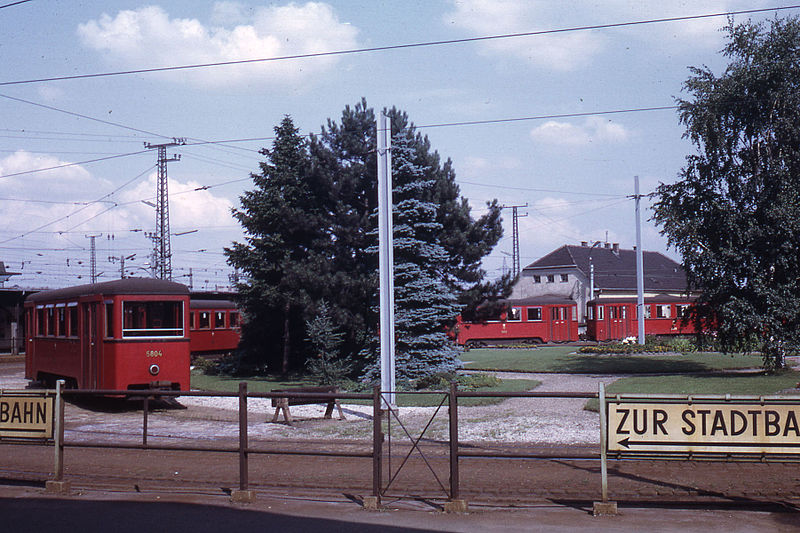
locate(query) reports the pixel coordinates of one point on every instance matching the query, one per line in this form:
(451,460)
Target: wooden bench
(283,403)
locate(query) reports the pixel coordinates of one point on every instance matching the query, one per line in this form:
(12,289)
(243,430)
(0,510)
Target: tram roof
(120,286)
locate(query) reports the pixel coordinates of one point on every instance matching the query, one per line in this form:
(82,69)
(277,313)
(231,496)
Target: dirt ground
(422,482)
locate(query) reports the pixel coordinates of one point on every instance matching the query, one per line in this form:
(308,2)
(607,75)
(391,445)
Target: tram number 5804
(153,353)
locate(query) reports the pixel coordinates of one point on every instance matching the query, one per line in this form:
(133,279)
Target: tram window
(682,310)
(234,318)
(534,314)
(152,319)
(590,313)
(109,320)
(662,311)
(612,312)
(554,313)
(61,322)
(204,321)
(646,311)
(515,314)
(40,321)
(73,321)
(191,320)
(51,321)
(599,312)
(219,319)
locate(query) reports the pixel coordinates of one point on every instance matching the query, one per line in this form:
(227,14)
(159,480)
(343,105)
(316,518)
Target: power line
(15,3)
(72,164)
(101,199)
(79,115)
(532,189)
(397,46)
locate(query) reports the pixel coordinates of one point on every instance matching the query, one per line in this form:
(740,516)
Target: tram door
(559,323)
(90,348)
(617,321)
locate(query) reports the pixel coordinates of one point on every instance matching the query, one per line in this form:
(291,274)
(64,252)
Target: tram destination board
(25,415)
(706,427)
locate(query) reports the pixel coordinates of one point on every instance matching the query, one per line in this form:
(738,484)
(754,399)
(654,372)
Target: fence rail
(380,441)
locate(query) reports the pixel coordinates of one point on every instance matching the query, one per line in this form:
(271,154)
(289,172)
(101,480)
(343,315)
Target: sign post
(673,426)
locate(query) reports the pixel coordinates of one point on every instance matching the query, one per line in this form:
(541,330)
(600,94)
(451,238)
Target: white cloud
(572,50)
(188,207)
(561,52)
(474,166)
(148,37)
(71,189)
(593,130)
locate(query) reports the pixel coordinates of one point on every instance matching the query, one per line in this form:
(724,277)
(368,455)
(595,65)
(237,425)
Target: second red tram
(127,334)
(539,320)
(214,326)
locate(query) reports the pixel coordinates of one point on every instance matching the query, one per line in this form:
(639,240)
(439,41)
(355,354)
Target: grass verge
(756,383)
(563,359)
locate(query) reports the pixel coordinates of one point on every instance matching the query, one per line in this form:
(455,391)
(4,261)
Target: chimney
(584,244)
(607,245)
(615,248)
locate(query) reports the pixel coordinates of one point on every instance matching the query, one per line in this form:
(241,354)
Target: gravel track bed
(517,420)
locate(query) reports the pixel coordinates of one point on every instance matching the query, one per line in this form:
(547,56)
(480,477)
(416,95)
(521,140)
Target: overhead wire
(404,46)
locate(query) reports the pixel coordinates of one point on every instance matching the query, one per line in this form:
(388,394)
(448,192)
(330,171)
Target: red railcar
(214,326)
(615,319)
(538,319)
(115,335)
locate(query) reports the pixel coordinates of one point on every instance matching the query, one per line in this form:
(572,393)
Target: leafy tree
(284,257)
(734,214)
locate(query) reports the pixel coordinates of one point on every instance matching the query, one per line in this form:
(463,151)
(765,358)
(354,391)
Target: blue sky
(574,173)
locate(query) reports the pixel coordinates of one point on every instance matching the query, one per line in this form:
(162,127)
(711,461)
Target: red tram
(214,326)
(551,319)
(127,334)
(539,320)
(616,318)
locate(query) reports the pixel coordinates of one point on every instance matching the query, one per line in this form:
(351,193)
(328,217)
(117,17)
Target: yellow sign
(723,427)
(26,416)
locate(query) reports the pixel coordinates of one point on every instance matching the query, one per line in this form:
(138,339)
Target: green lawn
(756,383)
(267,384)
(563,359)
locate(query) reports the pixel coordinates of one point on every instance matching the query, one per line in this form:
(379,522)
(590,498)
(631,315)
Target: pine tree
(284,257)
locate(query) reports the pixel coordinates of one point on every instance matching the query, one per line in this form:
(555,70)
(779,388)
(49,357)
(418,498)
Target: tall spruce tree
(311,236)
(284,259)
(345,153)
(424,301)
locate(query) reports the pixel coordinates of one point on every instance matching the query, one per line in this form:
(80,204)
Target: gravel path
(530,420)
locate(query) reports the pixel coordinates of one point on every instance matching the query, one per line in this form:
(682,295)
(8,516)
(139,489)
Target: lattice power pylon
(515,266)
(161,237)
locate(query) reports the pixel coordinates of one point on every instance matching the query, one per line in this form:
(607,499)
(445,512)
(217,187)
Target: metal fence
(379,445)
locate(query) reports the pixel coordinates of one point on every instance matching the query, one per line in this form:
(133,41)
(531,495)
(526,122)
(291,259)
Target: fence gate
(392,414)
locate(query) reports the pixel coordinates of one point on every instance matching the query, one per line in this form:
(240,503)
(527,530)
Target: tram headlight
(154,370)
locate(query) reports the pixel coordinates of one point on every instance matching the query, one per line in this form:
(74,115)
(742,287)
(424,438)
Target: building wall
(576,287)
